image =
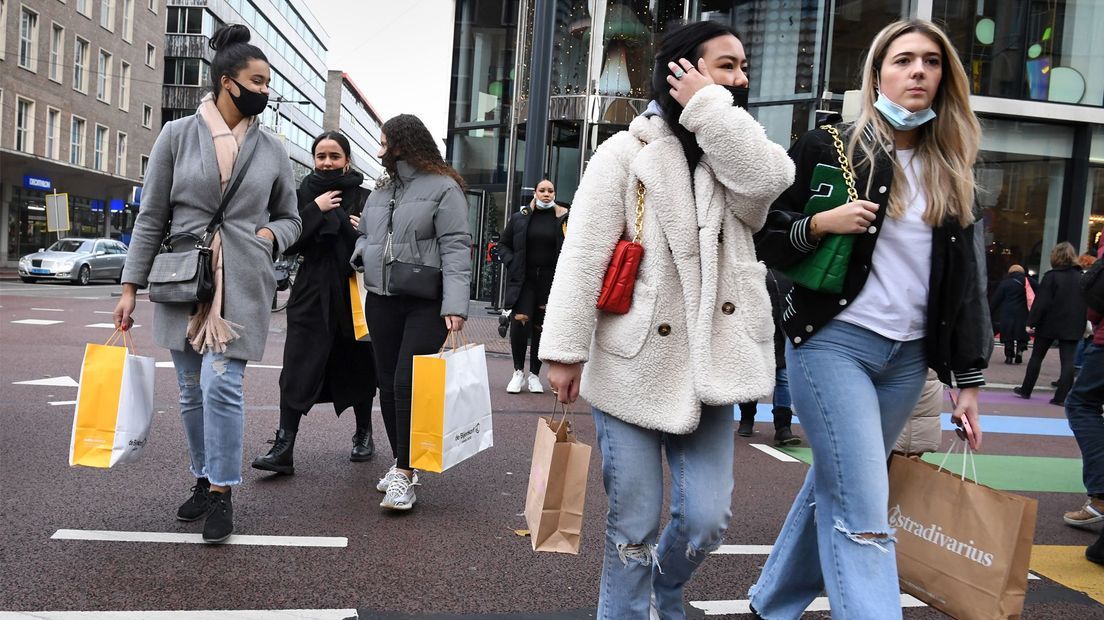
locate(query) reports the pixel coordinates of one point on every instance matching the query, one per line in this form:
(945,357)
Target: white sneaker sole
(1088,521)
(513,391)
(539,390)
(384,504)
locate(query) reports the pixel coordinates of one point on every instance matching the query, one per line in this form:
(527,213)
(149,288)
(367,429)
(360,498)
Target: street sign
(57,212)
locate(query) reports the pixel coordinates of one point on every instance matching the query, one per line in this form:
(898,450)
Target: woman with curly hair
(415,258)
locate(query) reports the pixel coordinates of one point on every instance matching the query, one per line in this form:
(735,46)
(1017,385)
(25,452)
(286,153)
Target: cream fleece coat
(700,329)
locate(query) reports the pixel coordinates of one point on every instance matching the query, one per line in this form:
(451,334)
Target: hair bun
(228,35)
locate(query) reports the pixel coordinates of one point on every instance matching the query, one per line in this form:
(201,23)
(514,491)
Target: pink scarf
(207,329)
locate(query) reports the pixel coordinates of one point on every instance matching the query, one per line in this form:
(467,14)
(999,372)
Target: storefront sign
(117,205)
(39,183)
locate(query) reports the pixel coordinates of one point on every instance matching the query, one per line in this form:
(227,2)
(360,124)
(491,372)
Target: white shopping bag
(114,406)
(450,418)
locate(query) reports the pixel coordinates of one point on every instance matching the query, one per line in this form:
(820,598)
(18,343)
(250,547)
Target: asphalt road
(456,555)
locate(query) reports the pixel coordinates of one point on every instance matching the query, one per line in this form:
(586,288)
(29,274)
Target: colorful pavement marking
(1068,566)
(1010,424)
(1044,474)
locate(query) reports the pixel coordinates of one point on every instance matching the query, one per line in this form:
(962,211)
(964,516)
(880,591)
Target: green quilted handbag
(825,268)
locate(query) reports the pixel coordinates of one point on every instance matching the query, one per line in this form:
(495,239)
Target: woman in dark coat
(530,246)
(1009,311)
(1057,316)
(323,361)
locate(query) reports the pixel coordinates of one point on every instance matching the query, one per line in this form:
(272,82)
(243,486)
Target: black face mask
(329,175)
(249,103)
(739,96)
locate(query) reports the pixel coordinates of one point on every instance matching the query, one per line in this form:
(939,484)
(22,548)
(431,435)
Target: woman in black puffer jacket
(1009,311)
(1057,316)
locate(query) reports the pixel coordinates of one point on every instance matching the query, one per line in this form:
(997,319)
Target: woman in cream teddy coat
(698,336)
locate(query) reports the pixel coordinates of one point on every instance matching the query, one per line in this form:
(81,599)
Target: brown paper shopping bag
(962,547)
(557,487)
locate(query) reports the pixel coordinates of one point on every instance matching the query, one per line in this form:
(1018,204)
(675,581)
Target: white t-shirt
(894,300)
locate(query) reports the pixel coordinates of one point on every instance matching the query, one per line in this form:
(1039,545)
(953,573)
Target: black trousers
(531,302)
(401,328)
(1066,351)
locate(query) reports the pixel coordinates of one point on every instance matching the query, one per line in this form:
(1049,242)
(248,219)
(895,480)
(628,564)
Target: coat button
(728,308)
(872,229)
(952,238)
(882,189)
(808,329)
(843,302)
(664,329)
(797,339)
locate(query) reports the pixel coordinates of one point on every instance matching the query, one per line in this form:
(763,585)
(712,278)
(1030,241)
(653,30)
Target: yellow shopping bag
(114,405)
(356,300)
(450,408)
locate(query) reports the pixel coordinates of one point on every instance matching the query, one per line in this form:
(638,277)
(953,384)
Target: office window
(76,141)
(28,39)
(57,52)
(99,149)
(151,55)
(186,71)
(24,125)
(147,116)
(120,154)
(152,5)
(107,14)
(53,133)
(3,28)
(84,7)
(103,80)
(124,86)
(143,163)
(128,20)
(80,64)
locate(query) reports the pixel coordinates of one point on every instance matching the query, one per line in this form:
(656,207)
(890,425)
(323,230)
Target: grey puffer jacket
(430,228)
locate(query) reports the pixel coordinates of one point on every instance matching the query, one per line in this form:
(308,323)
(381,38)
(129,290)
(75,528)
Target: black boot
(747,419)
(220,520)
(197,505)
(783,436)
(363,448)
(280,458)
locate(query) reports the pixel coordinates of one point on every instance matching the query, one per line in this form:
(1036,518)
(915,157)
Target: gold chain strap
(639,226)
(845,166)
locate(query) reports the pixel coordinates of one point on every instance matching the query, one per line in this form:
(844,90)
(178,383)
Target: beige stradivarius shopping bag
(962,547)
(557,487)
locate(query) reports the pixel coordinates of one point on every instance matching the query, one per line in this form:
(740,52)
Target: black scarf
(319,182)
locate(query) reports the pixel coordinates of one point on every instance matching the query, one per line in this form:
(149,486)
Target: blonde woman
(912,299)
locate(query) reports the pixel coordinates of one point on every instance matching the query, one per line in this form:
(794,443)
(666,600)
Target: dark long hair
(409,140)
(337,137)
(683,42)
(232,53)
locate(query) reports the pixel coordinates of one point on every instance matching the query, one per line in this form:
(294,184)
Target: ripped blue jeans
(212,407)
(638,561)
(854,390)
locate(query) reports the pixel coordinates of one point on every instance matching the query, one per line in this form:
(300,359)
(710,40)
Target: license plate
(42,271)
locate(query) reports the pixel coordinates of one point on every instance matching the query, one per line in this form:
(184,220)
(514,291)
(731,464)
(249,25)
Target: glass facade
(1043,51)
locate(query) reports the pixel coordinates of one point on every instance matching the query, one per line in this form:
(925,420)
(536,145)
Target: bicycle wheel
(281,298)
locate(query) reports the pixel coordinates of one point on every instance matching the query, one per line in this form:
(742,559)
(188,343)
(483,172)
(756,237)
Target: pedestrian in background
(1009,308)
(1084,261)
(190,167)
(530,246)
(858,358)
(697,337)
(778,285)
(1085,412)
(1057,317)
(418,216)
(323,361)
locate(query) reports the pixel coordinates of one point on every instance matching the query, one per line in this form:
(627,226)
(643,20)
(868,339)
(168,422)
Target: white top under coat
(894,300)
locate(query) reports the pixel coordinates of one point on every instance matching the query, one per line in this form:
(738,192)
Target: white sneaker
(400,493)
(381,486)
(514,387)
(534,386)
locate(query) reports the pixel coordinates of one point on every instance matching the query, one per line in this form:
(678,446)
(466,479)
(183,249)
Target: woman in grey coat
(417,217)
(191,166)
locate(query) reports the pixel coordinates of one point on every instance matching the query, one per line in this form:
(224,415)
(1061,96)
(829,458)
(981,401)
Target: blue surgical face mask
(899,116)
(544,205)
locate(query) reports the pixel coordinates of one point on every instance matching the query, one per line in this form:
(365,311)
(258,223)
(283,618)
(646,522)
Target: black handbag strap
(216,221)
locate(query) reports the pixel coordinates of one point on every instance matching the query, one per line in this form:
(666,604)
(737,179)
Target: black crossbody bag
(412,279)
(186,276)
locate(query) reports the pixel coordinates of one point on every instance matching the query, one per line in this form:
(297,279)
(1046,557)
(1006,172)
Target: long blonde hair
(946,147)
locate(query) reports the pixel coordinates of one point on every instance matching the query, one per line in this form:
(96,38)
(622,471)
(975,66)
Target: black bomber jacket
(958,338)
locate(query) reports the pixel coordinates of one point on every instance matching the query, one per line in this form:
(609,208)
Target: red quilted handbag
(617,286)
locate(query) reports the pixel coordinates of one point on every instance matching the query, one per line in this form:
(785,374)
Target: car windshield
(72,245)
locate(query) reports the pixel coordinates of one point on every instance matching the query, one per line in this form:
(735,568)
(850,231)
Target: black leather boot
(363,447)
(280,458)
(747,419)
(783,435)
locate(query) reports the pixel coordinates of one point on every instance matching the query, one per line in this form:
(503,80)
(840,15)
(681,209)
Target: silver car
(75,260)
